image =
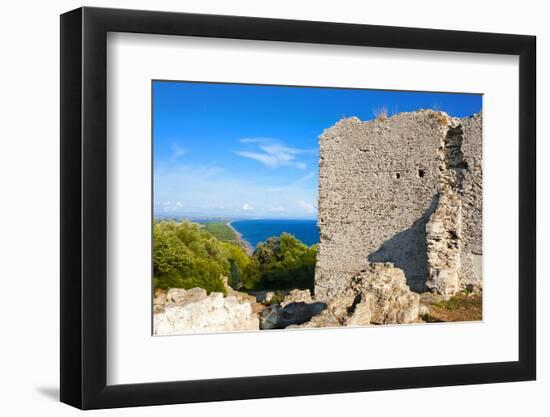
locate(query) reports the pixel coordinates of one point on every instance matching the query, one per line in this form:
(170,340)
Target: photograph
(293,207)
(240,208)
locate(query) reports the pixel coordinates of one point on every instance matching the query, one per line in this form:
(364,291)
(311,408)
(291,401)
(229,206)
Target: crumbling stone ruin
(378,294)
(180,311)
(405,189)
(400,203)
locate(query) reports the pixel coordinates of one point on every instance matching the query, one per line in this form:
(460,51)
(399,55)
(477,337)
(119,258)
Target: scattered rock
(299,312)
(159,300)
(296,296)
(269,317)
(257,308)
(323,320)
(269,296)
(241,296)
(193,311)
(362,314)
(294,313)
(382,289)
(180,296)
(379,294)
(334,315)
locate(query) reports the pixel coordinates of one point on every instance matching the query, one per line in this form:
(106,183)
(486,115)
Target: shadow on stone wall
(407,250)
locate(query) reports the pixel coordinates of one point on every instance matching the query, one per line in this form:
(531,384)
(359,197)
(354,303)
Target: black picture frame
(84,207)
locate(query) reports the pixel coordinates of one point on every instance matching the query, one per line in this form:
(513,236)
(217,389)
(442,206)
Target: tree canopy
(185,255)
(285,262)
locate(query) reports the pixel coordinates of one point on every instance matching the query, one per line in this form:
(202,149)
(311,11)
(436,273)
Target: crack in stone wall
(382,182)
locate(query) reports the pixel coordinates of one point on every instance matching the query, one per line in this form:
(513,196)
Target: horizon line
(229,218)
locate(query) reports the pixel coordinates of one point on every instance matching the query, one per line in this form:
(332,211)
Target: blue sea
(256,231)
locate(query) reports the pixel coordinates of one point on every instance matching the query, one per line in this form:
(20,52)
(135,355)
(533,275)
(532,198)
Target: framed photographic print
(282,208)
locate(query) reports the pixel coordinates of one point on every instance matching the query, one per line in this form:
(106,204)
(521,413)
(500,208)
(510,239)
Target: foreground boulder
(294,313)
(378,294)
(382,297)
(297,307)
(297,296)
(180,311)
(334,315)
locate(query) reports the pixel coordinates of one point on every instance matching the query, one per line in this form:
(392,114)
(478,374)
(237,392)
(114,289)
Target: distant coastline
(255,231)
(244,243)
(249,232)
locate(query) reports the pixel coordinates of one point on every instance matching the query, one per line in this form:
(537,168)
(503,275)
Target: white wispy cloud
(214,191)
(255,140)
(170,206)
(177,151)
(299,183)
(273,154)
(308,207)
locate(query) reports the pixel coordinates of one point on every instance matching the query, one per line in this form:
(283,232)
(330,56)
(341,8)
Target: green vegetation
(221,231)
(461,307)
(276,299)
(283,263)
(457,302)
(187,255)
(428,318)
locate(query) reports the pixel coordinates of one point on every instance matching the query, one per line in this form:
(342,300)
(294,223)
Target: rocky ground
(377,295)
(461,307)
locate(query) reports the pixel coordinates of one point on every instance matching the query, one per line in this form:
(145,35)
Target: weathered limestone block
(362,313)
(269,317)
(296,296)
(269,296)
(292,313)
(159,300)
(378,294)
(325,319)
(443,236)
(383,290)
(193,311)
(336,314)
(177,296)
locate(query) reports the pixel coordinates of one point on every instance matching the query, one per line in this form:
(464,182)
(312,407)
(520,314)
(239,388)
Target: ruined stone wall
(379,185)
(472,200)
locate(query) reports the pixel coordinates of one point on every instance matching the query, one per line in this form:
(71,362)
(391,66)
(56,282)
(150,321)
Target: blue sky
(250,151)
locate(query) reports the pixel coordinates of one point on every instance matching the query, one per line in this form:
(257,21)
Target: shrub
(381,113)
(251,274)
(285,262)
(186,256)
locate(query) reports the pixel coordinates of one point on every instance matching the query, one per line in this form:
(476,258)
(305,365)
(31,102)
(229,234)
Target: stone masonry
(405,189)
